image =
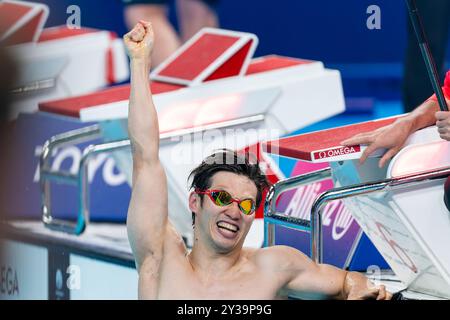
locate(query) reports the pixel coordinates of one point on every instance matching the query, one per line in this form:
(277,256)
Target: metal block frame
(272,217)
(80,179)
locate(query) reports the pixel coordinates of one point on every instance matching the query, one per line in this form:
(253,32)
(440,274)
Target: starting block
(217,105)
(399,207)
(210,54)
(57,62)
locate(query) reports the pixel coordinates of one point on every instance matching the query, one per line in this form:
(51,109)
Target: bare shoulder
(279,257)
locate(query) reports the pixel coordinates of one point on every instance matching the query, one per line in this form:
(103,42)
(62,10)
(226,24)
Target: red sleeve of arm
(445,88)
(447,85)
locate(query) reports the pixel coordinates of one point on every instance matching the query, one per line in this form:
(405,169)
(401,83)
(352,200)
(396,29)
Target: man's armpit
(173,242)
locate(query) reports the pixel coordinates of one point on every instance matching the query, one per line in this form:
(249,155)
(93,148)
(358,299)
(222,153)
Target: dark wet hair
(228,161)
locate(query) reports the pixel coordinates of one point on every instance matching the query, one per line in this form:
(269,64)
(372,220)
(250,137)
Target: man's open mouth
(227,226)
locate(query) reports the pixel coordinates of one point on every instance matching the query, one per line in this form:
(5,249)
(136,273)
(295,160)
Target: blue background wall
(331,31)
(328,30)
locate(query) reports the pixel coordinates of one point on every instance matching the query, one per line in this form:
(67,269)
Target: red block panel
(72,106)
(273,62)
(192,62)
(233,66)
(62,32)
(303,146)
(10,13)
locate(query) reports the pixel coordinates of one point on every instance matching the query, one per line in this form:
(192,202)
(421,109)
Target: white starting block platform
(399,207)
(57,62)
(226,100)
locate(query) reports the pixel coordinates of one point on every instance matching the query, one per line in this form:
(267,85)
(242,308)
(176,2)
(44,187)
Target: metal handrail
(46,175)
(272,217)
(83,181)
(357,190)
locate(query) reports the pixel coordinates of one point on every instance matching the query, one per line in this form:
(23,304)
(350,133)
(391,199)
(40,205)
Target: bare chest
(180,282)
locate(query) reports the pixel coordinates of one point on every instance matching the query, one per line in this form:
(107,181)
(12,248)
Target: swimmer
(226,190)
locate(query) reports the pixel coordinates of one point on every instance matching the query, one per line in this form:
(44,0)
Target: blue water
(381,109)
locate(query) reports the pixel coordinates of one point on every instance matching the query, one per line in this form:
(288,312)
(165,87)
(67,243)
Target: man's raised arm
(147,214)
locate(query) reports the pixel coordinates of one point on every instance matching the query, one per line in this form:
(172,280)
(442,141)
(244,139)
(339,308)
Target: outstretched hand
(391,137)
(139,41)
(371,293)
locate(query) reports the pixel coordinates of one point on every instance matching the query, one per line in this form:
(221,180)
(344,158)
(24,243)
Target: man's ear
(194,202)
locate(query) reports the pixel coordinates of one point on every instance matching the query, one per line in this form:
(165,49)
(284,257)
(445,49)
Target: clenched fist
(139,41)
